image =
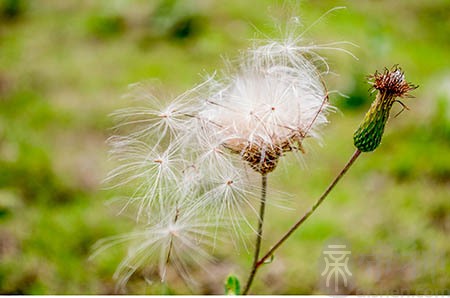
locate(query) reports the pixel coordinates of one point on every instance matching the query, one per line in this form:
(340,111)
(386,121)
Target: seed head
(270,106)
(198,152)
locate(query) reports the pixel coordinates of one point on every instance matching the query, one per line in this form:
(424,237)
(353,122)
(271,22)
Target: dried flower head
(390,84)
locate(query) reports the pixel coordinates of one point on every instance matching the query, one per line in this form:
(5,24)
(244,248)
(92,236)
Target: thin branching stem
(305,216)
(259,236)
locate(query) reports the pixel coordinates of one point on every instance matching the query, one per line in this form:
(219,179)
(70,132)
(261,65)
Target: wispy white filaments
(193,154)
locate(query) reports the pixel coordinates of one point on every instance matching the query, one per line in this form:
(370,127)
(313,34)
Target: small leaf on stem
(270,260)
(232,286)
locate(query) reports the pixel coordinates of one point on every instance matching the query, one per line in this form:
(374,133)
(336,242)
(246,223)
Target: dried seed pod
(262,160)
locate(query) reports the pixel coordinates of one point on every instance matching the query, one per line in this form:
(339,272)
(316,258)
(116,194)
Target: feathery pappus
(191,161)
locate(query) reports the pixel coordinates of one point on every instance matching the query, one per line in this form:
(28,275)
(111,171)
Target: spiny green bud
(390,84)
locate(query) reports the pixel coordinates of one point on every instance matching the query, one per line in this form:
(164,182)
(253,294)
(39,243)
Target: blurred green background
(65,64)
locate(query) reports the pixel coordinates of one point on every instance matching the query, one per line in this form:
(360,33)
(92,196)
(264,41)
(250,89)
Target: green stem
(259,236)
(306,215)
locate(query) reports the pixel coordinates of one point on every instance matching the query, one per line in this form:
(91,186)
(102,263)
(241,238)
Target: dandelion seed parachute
(198,154)
(178,239)
(274,101)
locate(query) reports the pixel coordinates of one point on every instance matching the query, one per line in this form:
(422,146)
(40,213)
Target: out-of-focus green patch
(358,94)
(12,9)
(104,26)
(174,19)
(31,173)
(58,85)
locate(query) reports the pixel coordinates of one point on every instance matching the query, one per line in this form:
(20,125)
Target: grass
(64,66)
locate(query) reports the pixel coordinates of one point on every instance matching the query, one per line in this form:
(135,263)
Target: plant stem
(307,214)
(259,236)
(163,275)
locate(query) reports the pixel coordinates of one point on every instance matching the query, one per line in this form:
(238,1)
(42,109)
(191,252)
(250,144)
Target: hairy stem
(259,236)
(306,215)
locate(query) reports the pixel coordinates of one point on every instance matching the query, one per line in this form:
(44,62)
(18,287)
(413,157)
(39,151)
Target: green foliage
(185,28)
(357,96)
(440,121)
(232,286)
(12,9)
(61,86)
(34,179)
(175,20)
(104,26)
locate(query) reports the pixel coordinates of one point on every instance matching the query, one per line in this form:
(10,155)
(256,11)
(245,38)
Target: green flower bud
(390,84)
